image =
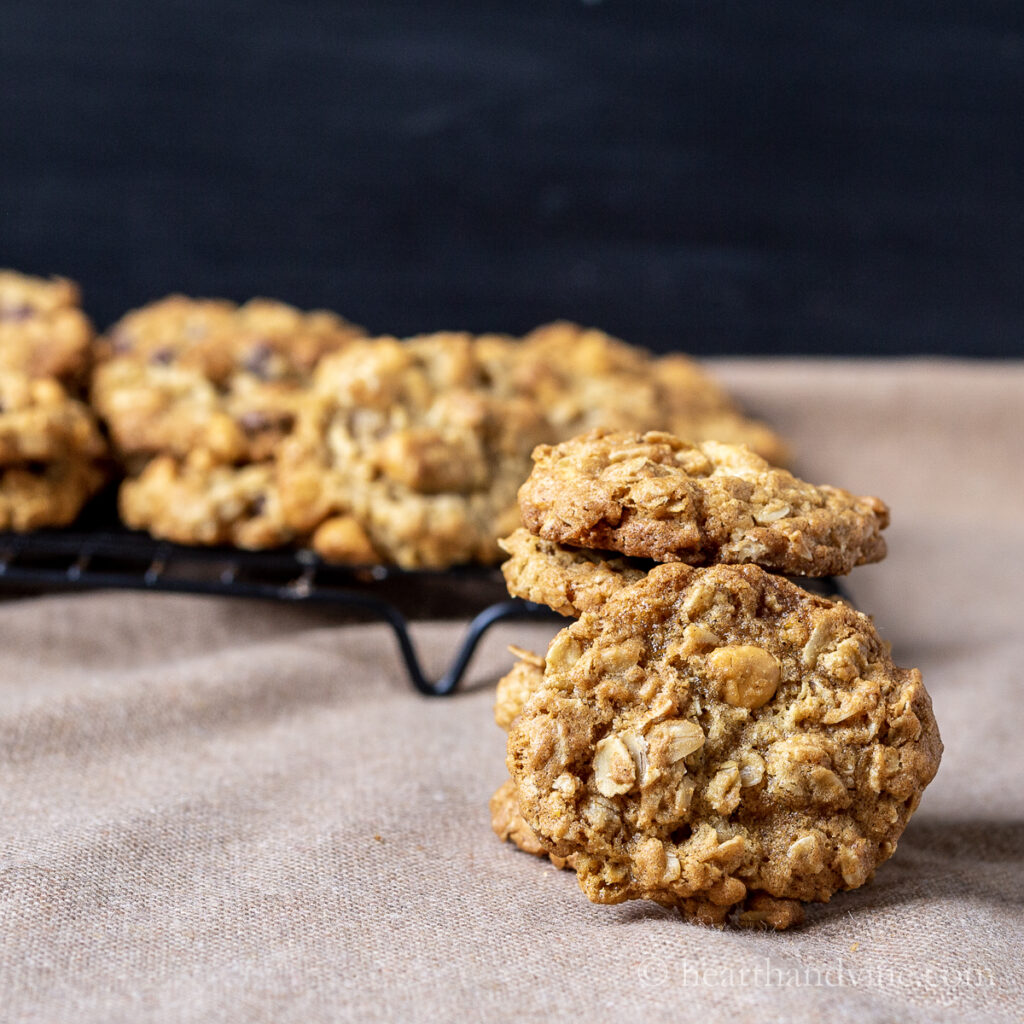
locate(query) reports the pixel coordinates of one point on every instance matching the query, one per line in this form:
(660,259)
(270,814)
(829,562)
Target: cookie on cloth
(52,494)
(719,740)
(43,331)
(517,686)
(509,826)
(514,690)
(656,496)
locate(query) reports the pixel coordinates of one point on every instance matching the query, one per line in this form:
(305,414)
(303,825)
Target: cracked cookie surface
(655,496)
(719,740)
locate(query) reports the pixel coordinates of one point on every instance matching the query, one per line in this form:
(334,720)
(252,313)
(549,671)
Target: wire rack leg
(451,678)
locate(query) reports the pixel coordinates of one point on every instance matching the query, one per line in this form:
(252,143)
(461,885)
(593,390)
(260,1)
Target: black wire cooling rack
(116,558)
(98,554)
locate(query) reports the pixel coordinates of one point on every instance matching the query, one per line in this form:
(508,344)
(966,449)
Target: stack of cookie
(708,734)
(50,447)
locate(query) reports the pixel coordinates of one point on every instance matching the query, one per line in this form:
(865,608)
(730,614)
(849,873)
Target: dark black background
(753,177)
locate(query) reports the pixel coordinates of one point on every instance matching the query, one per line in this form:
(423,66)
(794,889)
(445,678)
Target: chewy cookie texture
(51,450)
(184,374)
(656,496)
(713,737)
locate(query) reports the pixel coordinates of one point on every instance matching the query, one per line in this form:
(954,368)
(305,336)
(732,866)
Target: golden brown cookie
(32,497)
(655,496)
(184,373)
(411,441)
(173,410)
(43,332)
(719,740)
(568,580)
(509,826)
(264,338)
(40,422)
(423,443)
(198,501)
(378,450)
(517,685)
(586,379)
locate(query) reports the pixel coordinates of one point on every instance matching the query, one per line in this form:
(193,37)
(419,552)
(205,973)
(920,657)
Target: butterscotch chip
(342,540)
(712,737)
(655,496)
(43,332)
(568,580)
(748,676)
(50,495)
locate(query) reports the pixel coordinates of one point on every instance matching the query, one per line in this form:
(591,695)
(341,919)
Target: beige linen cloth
(214,810)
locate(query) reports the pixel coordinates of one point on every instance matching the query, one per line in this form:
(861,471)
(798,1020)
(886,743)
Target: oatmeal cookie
(424,442)
(568,580)
(408,440)
(268,339)
(33,496)
(40,422)
(654,496)
(509,826)
(517,686)
(182,373)
(43,332)
(719,740)
(198,501)
(586,379)
(514,690)
(172,410)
